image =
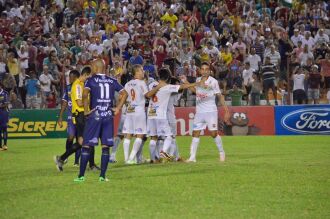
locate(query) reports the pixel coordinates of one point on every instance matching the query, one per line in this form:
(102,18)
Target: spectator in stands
(14,67)
(9,83)
(254,60)
(247,75)
(268,71)
(305,55)
(299,76)
(325,69)
(235,95)
(15,103)
(46,80)
(256,90)
(314,83)
(32,85)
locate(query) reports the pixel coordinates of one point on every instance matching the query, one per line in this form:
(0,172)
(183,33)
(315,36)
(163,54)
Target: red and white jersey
(158,104)
(205,96)
(136,100)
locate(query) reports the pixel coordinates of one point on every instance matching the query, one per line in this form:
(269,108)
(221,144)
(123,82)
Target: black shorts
(268,84)
(79,122)
(327,82)
(248,89)
(299,95)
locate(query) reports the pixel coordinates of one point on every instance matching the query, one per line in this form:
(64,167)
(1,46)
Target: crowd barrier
(244,120)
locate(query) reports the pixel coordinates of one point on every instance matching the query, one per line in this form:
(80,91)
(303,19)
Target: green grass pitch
(263,177)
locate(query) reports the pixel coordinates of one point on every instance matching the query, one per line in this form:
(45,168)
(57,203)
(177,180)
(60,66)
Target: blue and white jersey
(67,97)
(4,99)
(102,93)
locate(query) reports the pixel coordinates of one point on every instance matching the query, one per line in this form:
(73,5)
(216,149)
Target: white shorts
(209,119)
(121,125)
(159,127)
(135,124)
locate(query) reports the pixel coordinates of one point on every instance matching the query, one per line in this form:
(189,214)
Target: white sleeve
(216,87)
(144,88)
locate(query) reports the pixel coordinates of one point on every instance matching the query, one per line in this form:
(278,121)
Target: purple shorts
(98,128)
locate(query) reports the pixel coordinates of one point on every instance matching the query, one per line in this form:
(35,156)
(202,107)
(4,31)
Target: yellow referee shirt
(76,94)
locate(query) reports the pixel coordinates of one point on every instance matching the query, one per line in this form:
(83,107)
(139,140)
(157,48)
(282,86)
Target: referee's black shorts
(79,123)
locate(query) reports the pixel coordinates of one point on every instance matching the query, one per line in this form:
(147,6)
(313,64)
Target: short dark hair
(205,63)
(86,70)
(75,73)
(164,74)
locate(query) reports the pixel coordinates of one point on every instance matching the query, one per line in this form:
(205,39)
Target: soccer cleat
(165,155)
(222,157)
(1,149)
(103,179)
(4,147)
(180,159)
(79,179)
(113,161)
(58,163)
(76,165)
(191,160)
(131,162)
(94,168)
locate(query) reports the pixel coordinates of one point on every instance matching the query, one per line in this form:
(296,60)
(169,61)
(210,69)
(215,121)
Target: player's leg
(139,129)
(127,131)
(1,149)
(152,132)
(117,139)
(106,142)
(163,128)
(91,134)
(92,164)
(139,154)
(199,124)
(5,137)
(212,124)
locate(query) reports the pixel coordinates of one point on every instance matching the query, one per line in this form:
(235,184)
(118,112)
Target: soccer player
(67,104)
(158,124)
(98,98)
(135,121)
(4,117)
(207,111)
(78,119)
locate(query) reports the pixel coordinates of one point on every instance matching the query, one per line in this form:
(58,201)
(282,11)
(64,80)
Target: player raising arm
(207,111)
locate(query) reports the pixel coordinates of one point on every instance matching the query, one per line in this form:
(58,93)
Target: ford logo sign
(308,121)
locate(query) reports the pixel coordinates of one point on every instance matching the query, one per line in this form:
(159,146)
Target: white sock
(126,148)
(159,147)
(114,148)
(218,142)
(135,149)
(139,154)
(152,149)
(172,148)
(176,153)
(193,148)
(167,144)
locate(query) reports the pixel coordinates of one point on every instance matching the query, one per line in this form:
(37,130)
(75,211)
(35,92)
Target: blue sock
(0,137)
(84,160)
(104,161)
(77,156)
(5,136)
(68,144)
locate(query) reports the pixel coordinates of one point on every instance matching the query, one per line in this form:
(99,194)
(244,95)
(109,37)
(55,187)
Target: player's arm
(85,102)
(63,108)
(222,101)
(152,92)
(78,95)
(122,99)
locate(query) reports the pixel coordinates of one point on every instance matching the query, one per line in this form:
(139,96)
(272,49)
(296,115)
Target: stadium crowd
(260,52)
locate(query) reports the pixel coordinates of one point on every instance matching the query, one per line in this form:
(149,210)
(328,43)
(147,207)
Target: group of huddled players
(91,97)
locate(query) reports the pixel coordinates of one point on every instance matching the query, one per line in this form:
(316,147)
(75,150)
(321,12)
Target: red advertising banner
(244,120)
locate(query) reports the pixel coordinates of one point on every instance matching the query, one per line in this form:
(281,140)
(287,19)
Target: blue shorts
(4,118)
(71,129)
(98,128)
